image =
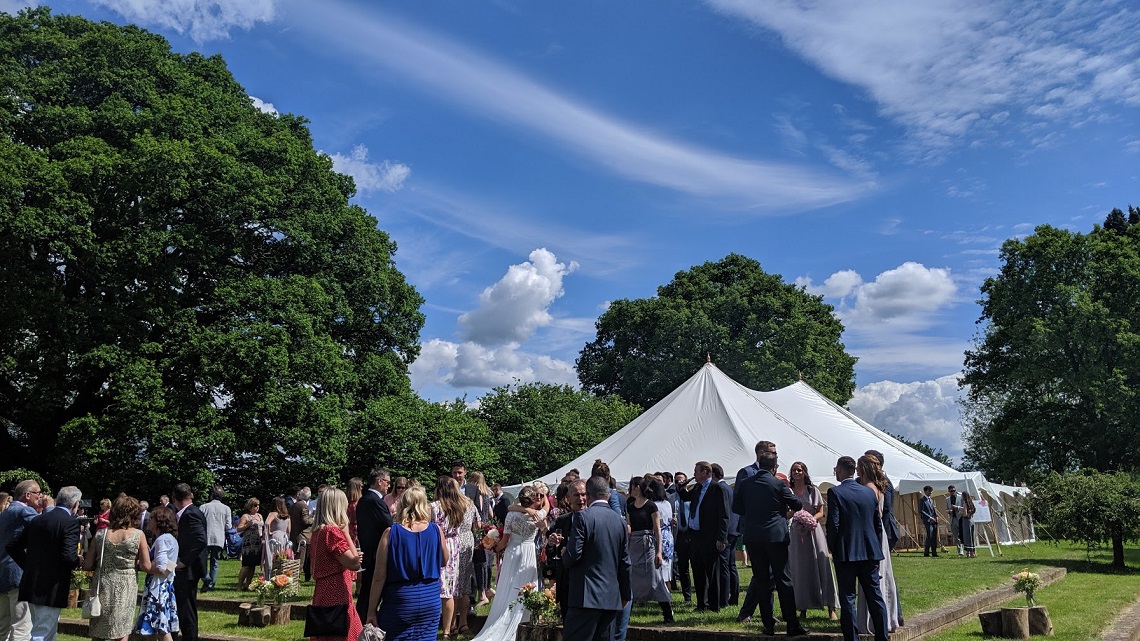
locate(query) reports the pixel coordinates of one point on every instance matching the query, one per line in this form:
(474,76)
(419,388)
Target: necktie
(693,506)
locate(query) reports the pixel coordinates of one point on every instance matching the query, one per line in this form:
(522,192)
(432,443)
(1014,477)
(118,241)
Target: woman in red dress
(334,559)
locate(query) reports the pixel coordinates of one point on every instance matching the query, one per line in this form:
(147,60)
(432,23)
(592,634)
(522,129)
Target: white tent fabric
(713,418)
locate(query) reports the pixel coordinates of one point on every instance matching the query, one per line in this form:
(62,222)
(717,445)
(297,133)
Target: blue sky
(536,160)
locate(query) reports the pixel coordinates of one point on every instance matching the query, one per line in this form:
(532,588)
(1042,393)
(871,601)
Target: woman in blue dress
(159,614)
(408,562)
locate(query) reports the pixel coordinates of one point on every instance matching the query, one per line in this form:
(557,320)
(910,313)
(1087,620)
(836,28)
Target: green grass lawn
(1081,604)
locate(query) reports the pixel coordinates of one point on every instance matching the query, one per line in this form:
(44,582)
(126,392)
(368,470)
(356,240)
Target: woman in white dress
(871,475)
(519,567)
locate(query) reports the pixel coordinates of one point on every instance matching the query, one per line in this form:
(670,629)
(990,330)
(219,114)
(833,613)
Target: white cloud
(14,6)
(266,107)
(383,176)
(474,82)
(203,20)
(470,365)
(513,308)
(921,410)
(903,297)
(955,69)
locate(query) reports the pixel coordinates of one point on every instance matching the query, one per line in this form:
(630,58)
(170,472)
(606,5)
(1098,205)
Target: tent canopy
(713,418)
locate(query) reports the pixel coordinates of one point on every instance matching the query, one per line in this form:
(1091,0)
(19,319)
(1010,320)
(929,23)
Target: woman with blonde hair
(116,554)
(399,485)
(334,558)
(455,515)
(871,475)
(408,562)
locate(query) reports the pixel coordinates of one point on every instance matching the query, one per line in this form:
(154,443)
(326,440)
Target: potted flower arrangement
(539,602)
(1027,582)
(276,591)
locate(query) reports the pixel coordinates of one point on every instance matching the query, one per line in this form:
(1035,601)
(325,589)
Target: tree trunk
(1117,547)
(1015,623)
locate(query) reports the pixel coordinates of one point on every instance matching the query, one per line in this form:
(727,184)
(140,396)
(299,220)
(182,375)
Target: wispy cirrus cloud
(202,20)
(476,83)
(960,69)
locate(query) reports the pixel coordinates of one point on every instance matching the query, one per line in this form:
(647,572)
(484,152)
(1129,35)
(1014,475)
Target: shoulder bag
(92,607)
(325,620)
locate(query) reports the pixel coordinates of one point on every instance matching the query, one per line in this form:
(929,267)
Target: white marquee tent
(713,418)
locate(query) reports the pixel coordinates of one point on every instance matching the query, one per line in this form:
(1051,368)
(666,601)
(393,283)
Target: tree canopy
(536,428)
(758,329)
(1054,378)
(1061,509)
(188,292)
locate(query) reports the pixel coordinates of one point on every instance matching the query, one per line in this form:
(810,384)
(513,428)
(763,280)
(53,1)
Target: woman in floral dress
(159,614)
(114,554)
(454,514)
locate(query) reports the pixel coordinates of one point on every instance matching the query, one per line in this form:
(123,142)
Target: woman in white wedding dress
(519,568)
(871,475)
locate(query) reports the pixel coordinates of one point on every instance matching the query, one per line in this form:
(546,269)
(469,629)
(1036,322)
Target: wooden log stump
(540,632)
(1015,623)
(1039,621)
(991,623)
(73,598)
(243,614)
(259,617)
(279,614)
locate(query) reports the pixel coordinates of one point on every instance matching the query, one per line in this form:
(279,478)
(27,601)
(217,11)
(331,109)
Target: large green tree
(1054,379)
(761,331)
(1061,509)
(188,293)
(536,428)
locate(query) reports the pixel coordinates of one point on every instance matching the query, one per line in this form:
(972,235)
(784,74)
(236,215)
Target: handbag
(325,620)
(371,633)
(92,607)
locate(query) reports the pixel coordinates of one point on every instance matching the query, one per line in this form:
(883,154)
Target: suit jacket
(562,525)
(764,500)
(712,513)
(12,523)
(926,510)
(218,520)
(372,519)
(301,523)
(889,524)
(597,560)
(47,550)
(734,529)
(501,505)
(854,527)
(192,542)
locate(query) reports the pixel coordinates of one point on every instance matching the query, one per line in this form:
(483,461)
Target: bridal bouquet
(489,535)
(538,601)
(804,520)
(1027,582)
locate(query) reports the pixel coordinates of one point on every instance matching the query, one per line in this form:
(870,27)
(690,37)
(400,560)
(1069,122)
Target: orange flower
(281,580)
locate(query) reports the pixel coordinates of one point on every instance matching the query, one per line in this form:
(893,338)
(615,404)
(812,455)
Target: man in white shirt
(218,520)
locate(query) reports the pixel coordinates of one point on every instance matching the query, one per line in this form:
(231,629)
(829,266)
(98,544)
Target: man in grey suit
(854,535)
(597,564)
(763,501)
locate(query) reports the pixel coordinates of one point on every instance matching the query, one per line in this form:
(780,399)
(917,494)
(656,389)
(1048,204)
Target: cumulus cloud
(905,295)
(922,410)
(470,365)
(513,308)
(957,69)
(202,20)
(473,82)
(266,107)
(383,176)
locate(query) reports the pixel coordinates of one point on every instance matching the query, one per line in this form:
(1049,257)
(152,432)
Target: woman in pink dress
(334,559)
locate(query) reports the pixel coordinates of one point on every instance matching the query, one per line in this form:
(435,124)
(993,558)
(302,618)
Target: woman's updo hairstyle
(527,496)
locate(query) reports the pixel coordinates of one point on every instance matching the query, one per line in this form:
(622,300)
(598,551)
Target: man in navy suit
(15,616)
(854,534)
(929,521)
(764,501)
(708,533)
(597,564)
(373,518)
(48,550)
(191,566)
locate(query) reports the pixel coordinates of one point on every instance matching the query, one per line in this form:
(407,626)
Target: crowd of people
(414,563)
